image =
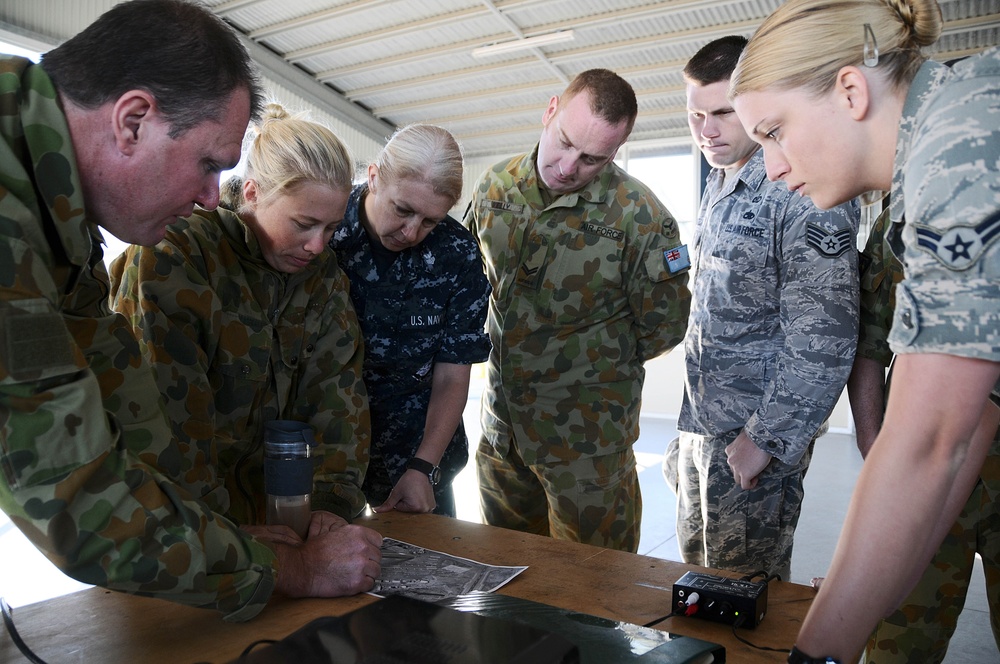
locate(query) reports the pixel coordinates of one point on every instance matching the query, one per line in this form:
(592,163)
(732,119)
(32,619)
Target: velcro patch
(677,259)
(829,243)
(36,343)
(503,206)
(959,247)
(615,234)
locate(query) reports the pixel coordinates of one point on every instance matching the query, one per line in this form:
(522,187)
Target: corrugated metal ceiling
(405,61)
(402,61)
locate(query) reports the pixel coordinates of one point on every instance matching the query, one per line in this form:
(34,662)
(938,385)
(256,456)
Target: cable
(767,577)
(246,651)
(657,621)
(8,621)
(738,623)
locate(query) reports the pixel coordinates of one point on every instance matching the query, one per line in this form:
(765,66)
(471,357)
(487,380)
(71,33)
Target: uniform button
(309,348)
(246,370)
(295,361)
(771,444)
(907,319)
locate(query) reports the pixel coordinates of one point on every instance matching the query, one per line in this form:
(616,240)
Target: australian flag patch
(829,243)
(959,247)
(677,259)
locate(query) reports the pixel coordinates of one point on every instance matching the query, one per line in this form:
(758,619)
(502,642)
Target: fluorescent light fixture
(525,43)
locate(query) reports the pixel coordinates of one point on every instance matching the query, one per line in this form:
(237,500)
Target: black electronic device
(600,640)
(402,629)
(478,627)
(720,599)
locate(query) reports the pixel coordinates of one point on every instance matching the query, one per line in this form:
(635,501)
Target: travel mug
(288,474)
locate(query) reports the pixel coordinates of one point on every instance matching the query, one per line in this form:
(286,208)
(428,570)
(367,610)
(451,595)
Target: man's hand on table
(337,559)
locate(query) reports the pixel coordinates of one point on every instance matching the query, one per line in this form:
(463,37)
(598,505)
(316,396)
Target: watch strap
(432,472)
(796,656)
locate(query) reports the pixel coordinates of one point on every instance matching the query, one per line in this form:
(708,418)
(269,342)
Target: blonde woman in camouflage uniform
(245,317)
(843,102)
(125,126)
(418,285)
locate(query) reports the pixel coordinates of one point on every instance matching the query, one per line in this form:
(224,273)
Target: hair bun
(274,111)
(921,18)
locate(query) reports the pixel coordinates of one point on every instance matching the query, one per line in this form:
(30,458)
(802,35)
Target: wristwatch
(796,656)
(432,472)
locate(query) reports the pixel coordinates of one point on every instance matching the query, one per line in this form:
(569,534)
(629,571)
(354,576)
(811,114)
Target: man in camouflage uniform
(589,281)
(218,321)
(769,345)
(89,141)
(920,629)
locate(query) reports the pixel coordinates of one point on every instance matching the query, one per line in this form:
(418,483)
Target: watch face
(433,472)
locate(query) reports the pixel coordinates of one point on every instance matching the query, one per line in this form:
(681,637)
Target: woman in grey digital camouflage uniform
(843,102)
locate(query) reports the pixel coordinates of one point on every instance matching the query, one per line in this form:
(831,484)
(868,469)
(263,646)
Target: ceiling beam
(272,66)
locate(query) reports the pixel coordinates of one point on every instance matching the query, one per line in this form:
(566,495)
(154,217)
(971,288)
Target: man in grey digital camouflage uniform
(589,281)
(769,344)
(126,126)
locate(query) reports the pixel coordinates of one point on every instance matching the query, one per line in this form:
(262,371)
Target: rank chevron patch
(829,244)
(959,247)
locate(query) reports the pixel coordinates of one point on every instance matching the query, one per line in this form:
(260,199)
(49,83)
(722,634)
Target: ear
(250,192)
(129,117)
(372,174)
(853,92)
(550,111)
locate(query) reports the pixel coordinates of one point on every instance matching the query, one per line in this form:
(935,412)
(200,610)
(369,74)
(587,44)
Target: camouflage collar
(929,77)
(245,243)
(53,160)
(600,189)
(351,236)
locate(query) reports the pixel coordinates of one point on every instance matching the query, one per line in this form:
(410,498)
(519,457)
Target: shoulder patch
(677,259)
(829,243)
(959,247)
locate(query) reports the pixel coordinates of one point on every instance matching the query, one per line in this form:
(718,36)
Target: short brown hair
(611,97)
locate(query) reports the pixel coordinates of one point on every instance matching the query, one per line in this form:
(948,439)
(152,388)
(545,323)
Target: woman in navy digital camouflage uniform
(843,101)
(418,286)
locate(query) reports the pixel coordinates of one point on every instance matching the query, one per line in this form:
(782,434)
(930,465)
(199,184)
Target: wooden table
(96,625)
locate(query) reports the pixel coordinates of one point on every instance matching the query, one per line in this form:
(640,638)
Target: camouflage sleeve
(660,301)
(333,398)
(880,272)
(465,340)
(819,319)
(71,483)
(171,309)
(949,302)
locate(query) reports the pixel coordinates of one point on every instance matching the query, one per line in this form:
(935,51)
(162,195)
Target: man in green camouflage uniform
(920,629)
(589,281)
(235,344)
(88,141)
